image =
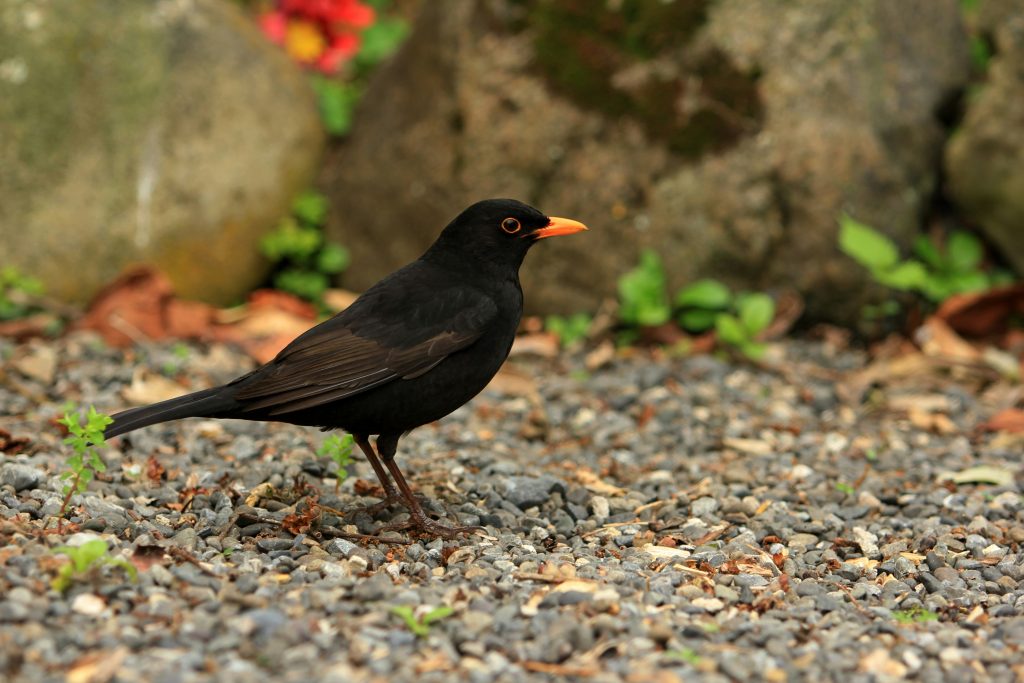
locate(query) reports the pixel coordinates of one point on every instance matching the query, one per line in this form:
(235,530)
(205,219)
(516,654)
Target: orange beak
(558,226)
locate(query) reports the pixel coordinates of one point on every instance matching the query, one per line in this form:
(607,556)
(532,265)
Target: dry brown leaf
(512,382)
(981,314)
(936,338)
(594,483)
(149,387)
(339,299)
(39,363)
(931,403)
(543,344)
(1009,420)
(600,356)
(97,667)
(751,446)
(937,423)
(131,308)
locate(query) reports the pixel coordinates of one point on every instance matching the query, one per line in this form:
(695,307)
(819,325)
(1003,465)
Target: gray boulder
(164,131)
(726,134)
(985,157)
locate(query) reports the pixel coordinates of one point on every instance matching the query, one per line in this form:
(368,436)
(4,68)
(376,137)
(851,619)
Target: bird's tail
(207,403)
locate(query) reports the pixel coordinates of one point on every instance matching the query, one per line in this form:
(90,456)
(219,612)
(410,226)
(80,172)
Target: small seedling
(843,487)
(421,626)
(181,353)
(339,450)
(643,293)
(684,654)
(754,312)
(16,291)
(914,615)
(85,440)
(568,329)
(304,260)
(937,273)
(83,559)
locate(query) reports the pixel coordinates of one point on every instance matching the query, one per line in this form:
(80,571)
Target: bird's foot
(429,527)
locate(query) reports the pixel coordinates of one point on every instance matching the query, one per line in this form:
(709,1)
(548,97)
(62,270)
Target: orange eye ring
(511,225)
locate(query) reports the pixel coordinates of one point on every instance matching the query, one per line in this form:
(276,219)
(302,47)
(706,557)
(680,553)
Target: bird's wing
(385,336)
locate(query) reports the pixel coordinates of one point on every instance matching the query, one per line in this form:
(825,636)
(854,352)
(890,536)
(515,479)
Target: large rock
(985,157)
(165,131)
(727,134)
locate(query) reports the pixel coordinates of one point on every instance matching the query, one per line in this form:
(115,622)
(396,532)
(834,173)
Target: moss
(581,45)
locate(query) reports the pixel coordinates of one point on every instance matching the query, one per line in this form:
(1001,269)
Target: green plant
(568,329)
(85,461)
(16,291)
(914,615)
(937,273)
(845,488)
(304,260)
(83,559)
(420,626)
(684,654)
(181,353)
(738,319)
(643,293)
(339,450)
(337,102)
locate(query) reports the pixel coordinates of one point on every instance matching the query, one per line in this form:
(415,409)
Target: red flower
(323,33)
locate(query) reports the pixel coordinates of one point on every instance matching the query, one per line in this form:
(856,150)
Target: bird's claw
(430,527)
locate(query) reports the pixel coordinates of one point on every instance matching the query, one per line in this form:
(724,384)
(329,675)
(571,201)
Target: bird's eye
(510,225)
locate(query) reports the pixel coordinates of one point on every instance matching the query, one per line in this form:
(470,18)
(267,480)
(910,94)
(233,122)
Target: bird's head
(500,231)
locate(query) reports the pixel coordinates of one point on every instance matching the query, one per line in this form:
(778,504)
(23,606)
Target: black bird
(413,348)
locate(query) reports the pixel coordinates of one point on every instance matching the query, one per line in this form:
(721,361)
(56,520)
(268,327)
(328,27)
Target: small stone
(21,476)
(704,507)
(527,492)
(88,604)
(709,604)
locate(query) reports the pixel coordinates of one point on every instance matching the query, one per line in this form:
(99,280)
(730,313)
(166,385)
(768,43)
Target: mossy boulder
(167,132)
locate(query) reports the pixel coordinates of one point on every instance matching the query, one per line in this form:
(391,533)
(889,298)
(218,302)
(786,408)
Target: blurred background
(857,163)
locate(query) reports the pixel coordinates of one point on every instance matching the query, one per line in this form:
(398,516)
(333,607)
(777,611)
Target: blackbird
(414,347)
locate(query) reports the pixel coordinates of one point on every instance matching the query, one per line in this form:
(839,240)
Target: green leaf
(337,103)
(963,252)
(756,312)
(436,614)
(707,294)
(643,295)
(866,245)
(380,40)
(291,241)
(753,350)
(730,330)
(929,253)
(333,258)
(569,330)
(310,207)
(306,284)
(697,320)
(905,276)
(976,281)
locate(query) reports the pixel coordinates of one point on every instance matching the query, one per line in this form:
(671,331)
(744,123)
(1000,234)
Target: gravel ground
(652,520)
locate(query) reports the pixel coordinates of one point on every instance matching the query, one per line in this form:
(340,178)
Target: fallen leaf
(339,299)
(39,363)
(131,308)
(148,387)
(543,344)
(1009,420)
(931,422)
(661,552)
(980,314)
(594,483)
(512,382)
(981,474)
(937,338)
(751,446)
(600,356)
(97,667)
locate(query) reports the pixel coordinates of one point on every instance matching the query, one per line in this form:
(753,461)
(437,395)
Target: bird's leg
(390,493)
(387,445)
